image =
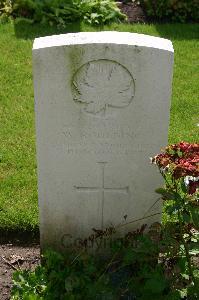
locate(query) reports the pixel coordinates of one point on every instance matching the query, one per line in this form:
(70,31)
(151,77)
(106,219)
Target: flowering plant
(179,166)
(181,161)
(157,264)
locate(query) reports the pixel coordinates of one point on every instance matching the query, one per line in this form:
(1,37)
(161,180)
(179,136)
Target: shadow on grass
(24,29)
(19,237)
(178,31)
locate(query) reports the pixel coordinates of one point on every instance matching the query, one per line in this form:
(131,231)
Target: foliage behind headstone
(172,10)
(62,12)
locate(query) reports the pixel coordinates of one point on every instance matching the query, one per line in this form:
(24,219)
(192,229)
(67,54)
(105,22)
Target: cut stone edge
(103,37)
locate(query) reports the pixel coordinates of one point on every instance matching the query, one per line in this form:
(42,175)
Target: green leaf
(172,209)
(195,215)
(168,195)
(129,257)
(183,293)
(69,285)
(183,187)
(186,218)
(155,285)
(194,251)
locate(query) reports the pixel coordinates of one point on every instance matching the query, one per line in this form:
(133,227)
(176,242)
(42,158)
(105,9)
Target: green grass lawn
(18,183)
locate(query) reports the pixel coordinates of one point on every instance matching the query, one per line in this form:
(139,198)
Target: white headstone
(102,103)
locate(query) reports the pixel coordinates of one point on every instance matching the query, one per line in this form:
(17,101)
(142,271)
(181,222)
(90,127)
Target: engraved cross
(102,189)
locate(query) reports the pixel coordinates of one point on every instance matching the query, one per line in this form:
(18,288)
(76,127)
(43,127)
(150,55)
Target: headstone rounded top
(103,37)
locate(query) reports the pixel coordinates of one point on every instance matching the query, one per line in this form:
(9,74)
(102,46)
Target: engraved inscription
(101,86)
(102,189)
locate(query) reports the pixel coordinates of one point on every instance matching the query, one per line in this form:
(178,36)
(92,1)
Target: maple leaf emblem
(103,84)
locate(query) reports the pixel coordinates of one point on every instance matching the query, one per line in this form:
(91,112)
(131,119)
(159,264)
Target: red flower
(184,147)
(185,167)
(182,171)
(194,158)
(182,159)
(162,160)
(193,185)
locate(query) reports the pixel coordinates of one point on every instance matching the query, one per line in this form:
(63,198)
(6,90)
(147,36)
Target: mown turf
(18,186)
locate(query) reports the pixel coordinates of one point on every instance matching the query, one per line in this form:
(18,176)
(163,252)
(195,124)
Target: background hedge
(62,12)
(172,10)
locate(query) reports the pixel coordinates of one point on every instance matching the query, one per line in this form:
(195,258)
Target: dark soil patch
(134,12)
(22,237)
(13,258)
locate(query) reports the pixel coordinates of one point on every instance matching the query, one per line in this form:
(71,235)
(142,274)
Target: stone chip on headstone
(102,103)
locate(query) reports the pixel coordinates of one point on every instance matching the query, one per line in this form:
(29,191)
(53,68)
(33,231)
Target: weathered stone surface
(102,105)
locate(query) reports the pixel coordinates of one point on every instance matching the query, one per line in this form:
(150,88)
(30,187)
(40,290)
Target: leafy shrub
(140,266)
(100,11)
(5,10)
(131,272)
(53,12)
(174,10)
(62,12)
